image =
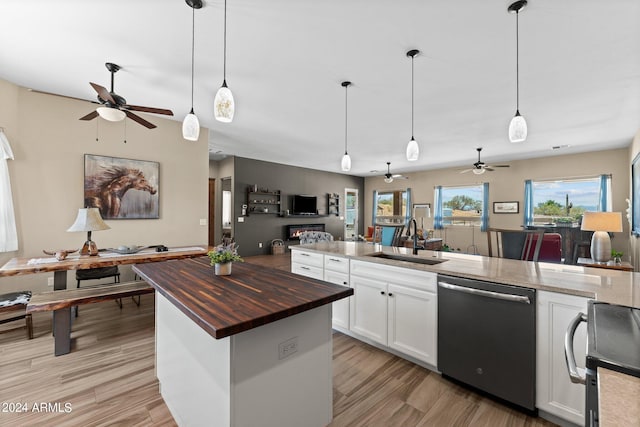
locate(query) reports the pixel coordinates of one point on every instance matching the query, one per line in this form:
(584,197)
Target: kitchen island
(252,348)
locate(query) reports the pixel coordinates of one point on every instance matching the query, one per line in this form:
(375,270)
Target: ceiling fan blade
(139,119)
(499,166)
(149,109)
(488,168)
(466,170)
(92,115)
(62,96)
(103,93)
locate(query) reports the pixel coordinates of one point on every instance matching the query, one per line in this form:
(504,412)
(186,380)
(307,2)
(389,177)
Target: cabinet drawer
(424,280)
(307,270)
(336,263)
(308,258)
(336,278)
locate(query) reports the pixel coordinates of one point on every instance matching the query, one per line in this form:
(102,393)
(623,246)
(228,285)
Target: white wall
(49,143)
(507,184)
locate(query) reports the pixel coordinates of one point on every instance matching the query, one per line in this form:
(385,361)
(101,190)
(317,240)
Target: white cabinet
(556,393)
(307,264)
(336,270)
(395,307)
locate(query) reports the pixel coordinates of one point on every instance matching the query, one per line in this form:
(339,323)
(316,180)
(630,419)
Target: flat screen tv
(304,205)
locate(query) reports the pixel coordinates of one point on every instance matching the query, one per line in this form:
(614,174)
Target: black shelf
(333,204)
(258,201)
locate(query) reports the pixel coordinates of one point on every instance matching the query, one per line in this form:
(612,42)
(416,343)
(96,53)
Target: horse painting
(107,188)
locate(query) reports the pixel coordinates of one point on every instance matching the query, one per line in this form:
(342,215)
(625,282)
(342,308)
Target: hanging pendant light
(518,125)
(413,150)
(224,105)
(190,124)
(346,159)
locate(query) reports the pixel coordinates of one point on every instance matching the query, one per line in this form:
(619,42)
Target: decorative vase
(223,269)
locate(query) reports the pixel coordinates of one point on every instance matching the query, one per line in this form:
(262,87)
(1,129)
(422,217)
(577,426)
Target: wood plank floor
(108,379)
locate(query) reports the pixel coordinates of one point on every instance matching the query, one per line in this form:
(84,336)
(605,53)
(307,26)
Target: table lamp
(89,220)
(601,223)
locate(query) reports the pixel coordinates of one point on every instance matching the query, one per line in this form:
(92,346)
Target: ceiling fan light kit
(413,150)
(224,104)
(518,125)
(191,124)
(111,114)
(346,159)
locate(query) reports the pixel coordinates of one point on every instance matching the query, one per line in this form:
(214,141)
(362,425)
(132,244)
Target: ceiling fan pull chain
(97,130)
(125,131)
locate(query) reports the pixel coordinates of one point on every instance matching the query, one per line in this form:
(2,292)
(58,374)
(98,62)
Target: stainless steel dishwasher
(487,337)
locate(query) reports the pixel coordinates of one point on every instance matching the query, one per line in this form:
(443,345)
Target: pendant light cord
(193,41)
(346,88)
(412,57)
(517,63)
(224,63)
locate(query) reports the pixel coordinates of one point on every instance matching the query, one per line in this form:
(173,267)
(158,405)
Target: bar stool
(581,250)
(17,301)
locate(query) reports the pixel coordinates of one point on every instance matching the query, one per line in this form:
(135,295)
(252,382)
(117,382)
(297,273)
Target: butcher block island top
(251,296)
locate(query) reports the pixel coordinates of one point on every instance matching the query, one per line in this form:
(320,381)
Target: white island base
(243,379)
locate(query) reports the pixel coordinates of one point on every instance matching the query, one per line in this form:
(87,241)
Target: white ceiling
(579,72)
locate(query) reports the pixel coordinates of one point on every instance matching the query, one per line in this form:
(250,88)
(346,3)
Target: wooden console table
(588,262)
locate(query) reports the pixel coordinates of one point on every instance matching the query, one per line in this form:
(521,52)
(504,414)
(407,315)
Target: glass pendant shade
(346,162)
(191,127)
(517,128)
(413,151)
(111,114)
(224,106)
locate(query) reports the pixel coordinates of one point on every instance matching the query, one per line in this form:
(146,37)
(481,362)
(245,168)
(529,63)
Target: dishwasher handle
(497,295)
(574,375)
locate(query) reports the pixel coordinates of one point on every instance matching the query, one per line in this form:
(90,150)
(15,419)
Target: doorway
(351,214)
(212,211)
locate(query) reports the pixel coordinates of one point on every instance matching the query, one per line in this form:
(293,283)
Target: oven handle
(568,349)
(490,294)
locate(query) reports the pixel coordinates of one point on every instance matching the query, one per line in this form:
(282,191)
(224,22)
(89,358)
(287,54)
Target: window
(565,200)
(390,207)
(465,205)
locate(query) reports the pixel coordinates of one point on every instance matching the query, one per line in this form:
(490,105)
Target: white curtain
(8,233)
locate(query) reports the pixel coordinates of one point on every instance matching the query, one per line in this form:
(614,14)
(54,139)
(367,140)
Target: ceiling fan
(479,167)
(115,108)
(388,177)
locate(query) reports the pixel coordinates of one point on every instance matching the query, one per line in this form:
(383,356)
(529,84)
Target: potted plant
(616,257)
(223,256)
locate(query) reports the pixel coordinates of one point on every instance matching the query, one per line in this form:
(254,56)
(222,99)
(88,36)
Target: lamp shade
(111,114)
(413,151)
(602,221)
(517,128)
(224,105)
(191,127)
(89,219)
(478,171)
(346,162)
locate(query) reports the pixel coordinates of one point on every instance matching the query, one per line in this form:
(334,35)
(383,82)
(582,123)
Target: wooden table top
(251,296)
(588,262)
(44,264)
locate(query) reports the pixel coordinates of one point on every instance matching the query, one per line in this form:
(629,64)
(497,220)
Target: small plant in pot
(616,257)
(222,257)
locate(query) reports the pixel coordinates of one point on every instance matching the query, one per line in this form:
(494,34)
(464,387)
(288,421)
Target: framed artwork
(121,188)
(506,207)
(635,202)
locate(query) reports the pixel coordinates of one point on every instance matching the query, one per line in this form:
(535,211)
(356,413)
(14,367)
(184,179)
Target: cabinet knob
(381,292)
(390,294)
(344,283)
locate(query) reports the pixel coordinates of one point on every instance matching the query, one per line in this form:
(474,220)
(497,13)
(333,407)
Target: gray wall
(289,180)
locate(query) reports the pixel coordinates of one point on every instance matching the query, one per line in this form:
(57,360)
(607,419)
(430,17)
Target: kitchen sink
(408,258)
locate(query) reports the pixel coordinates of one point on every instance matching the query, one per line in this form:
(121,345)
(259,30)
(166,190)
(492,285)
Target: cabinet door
(556,393)
(369,308)
(340,316)
(412,322)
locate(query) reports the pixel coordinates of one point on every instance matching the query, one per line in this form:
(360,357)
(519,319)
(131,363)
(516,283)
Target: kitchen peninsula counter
(252,348)
(612,286)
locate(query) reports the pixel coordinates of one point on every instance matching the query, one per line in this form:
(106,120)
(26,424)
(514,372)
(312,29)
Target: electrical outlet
(203,221)
(240,219)
(287,348)
(259,244)
(49,281)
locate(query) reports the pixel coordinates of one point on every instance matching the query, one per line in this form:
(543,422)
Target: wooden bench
(60,302)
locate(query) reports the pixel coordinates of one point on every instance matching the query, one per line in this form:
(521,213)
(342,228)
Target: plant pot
(222,269)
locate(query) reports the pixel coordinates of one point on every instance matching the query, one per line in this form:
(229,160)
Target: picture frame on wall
(122,188)
(506,207)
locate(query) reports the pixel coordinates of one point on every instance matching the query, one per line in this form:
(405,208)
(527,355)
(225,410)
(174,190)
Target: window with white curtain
(8,232)
(226,209)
